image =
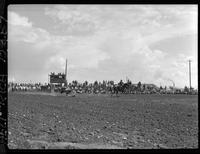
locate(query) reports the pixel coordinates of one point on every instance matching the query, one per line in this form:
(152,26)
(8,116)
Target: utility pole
(190,73)
(66,72)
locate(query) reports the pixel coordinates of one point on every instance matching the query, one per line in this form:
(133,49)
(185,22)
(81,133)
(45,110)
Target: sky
(147,43)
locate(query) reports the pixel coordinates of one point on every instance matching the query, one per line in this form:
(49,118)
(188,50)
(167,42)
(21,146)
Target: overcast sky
(147,43)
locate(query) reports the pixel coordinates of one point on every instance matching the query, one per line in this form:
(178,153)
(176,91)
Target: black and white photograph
(102,76)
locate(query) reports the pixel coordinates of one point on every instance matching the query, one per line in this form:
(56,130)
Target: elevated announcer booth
(57,81)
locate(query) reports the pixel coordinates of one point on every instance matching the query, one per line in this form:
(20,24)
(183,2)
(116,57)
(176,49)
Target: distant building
(150,85)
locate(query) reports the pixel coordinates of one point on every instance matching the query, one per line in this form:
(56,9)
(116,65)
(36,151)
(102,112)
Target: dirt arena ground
(101,121)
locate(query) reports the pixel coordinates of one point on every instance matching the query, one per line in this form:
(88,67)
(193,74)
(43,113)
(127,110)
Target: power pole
(66,72)
(190,73)
(126,79)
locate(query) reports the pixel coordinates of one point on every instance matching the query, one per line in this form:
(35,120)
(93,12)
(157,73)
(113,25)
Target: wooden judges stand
(57,79)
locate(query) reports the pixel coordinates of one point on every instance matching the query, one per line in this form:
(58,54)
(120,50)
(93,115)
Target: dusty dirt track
(102,121)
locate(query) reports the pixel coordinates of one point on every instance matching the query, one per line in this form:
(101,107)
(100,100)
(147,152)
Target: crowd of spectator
(102,87)
(26,86)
